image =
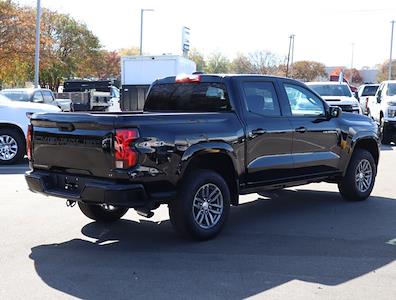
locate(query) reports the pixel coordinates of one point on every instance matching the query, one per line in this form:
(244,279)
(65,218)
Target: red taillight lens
(367,100)
(124,153)
(29,142)
(188,78)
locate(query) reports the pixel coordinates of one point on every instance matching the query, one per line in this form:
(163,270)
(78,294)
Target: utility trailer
(89,95)
(139,72)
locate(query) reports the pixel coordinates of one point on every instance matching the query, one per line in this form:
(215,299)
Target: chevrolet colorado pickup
(201,141)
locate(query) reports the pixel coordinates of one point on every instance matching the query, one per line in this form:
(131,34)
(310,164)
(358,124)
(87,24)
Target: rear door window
(188,97)
(261,98)
(369,90)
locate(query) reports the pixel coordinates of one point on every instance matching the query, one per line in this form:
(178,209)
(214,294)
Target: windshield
(392,89)
(17,95)
(369,90)
(331,89)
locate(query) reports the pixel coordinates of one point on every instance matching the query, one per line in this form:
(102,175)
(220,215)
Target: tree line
(68,49)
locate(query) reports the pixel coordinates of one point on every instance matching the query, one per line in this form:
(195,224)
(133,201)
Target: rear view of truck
(110,162)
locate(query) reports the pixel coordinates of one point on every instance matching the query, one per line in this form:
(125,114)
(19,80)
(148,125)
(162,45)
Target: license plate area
(69,184)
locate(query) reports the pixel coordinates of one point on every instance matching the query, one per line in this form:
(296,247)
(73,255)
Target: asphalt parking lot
(300,243)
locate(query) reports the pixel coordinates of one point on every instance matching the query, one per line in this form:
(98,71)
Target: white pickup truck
(382,109)
(337,94)
(14,121)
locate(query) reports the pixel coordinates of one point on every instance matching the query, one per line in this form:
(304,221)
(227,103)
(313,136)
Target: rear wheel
(202,206)
(12,146)
(103,212)
(359,179)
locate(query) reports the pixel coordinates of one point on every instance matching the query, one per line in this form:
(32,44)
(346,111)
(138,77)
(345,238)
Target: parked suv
(383,110)
(337,94)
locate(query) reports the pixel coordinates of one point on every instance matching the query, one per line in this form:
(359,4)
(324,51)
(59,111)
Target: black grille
(347,108)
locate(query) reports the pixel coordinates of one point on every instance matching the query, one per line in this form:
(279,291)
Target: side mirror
(379,97)
(36,100)
(356,95)
(334,112)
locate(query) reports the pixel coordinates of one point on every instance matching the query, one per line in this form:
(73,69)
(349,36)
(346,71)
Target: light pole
(37,49)
(291,37)
(141,27)
(353,49)
(390,56)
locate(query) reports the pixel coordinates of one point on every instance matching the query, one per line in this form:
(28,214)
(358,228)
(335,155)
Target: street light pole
(353,48)
(141,28)
(37,49)
(288,55)
(390,56)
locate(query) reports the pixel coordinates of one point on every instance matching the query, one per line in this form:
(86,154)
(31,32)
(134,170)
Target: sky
(325,31)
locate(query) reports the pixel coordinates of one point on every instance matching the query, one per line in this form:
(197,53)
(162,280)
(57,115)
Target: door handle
(256,132)
(301,129)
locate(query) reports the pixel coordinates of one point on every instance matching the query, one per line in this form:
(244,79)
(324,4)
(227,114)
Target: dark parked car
(201,141)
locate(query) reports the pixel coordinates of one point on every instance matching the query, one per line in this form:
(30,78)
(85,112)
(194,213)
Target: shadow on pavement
(305,235)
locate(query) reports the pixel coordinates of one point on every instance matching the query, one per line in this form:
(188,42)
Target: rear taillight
(29,142)
(367,100)
(124,152)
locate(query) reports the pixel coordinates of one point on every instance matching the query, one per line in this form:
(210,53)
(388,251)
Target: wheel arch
(13,126)
(220,159)
(369,144)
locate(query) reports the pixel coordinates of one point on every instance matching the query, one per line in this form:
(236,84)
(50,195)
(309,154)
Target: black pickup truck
(201,141)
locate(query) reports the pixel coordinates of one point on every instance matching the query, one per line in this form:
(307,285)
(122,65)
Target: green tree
(217,64)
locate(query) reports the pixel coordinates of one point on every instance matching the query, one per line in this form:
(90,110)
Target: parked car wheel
(12,146)
(202,206)
(359,179)
(102,213)
(386,137)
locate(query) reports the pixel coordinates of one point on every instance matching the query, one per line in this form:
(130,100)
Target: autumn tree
(16,43)
(110,65)
(264,62)
(241,64)
(198,58)
(355,78)
(307,70)
(217,63)
(134,51)
(383,70)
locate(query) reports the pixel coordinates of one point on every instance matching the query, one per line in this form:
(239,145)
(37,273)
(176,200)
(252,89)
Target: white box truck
(139,72)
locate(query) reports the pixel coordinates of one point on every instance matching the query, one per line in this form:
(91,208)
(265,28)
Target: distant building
(368,75)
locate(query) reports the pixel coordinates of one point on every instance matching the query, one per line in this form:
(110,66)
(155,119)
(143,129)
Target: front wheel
(359,179)
(202,206)
(102,212)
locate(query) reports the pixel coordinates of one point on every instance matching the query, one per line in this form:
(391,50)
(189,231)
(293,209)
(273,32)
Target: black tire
(349,186)
(386,138)
(20,142)
(183,213)
(100,213)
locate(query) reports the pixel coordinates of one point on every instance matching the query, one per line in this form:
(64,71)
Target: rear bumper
(87,189)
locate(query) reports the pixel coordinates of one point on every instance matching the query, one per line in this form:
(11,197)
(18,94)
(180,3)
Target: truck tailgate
(73,143)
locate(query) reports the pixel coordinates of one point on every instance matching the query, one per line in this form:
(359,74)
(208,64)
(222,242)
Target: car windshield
(369,90)
(331,89)
(17,95)
(392,89)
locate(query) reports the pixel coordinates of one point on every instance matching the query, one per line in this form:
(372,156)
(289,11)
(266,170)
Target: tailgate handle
(65,126)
